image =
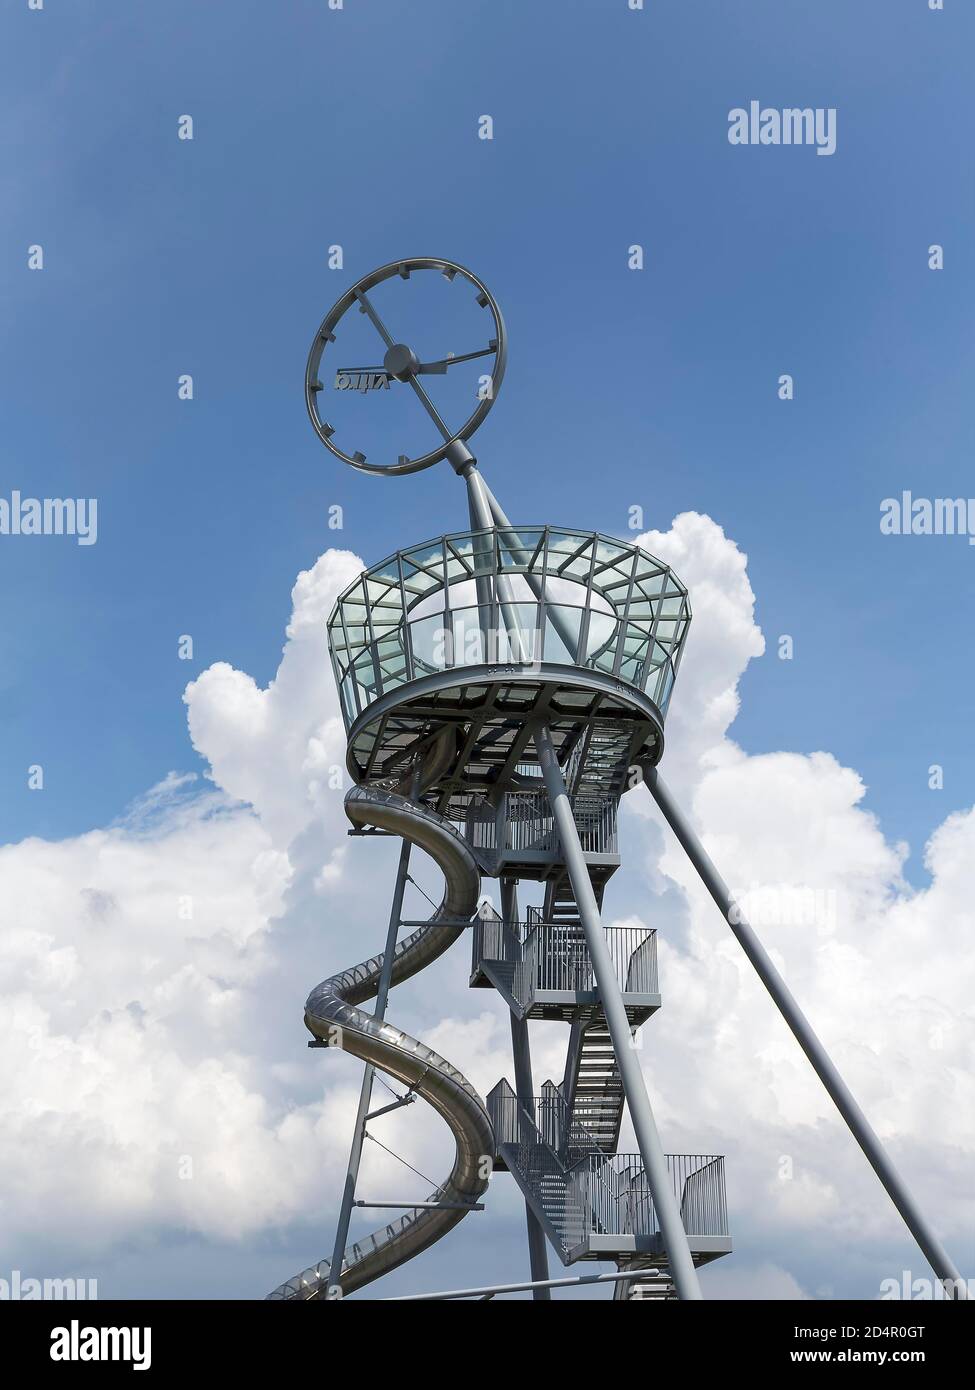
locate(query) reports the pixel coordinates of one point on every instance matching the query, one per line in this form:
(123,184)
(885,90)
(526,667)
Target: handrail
(553,956)
(608,1193)
(494,939)
(529,825)
(614,1195)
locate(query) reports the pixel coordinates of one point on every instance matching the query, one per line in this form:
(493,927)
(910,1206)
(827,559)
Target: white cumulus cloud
(152,974)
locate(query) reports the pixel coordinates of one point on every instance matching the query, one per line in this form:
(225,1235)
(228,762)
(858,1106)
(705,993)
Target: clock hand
(365,306)
(440,368)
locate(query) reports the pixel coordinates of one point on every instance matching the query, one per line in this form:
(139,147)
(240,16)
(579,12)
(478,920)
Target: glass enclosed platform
(493,629)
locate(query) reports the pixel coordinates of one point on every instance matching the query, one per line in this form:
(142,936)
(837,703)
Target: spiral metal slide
(331,1014)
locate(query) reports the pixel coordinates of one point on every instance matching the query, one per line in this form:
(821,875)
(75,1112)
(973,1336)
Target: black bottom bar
(228,1339)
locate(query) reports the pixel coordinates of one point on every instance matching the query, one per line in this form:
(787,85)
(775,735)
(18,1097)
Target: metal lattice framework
(576,598)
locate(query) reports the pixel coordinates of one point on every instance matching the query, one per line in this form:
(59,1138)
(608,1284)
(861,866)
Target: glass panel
(636,642)
(607,550)
(457,569)
(518,546)
(427,556)
(461,545)
(603,631)
(430,643)
(640,608)
(561,638)
(648,567)
(631,669)
(671,607)
(566,543)
(526,538)
(518,697)
(483,557)
(577,568)
(470,647)
(651,585)
(376,591)
(373,611)
(389,573)
(391,679)
(392,656)
(347,691)
(363,746)
(354,610)
(525,646)
(419,582)
(389,597)
(388,633)
(613,586)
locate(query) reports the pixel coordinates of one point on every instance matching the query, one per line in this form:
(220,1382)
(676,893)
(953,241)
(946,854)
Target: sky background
(653,388)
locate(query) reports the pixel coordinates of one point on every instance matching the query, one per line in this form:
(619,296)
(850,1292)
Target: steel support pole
(482,519)
(482,580)
(611,999)
(839,1092)
(365,1093)
(490,1290)
(525,1089)
(569,639)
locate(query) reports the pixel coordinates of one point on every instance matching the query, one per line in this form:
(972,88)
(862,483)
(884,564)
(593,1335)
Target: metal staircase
(597,770)
(592,1085)
(596,1206)
(560,1146)
(528,1148)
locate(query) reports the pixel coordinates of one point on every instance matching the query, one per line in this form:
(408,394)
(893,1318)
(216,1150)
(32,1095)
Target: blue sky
(655,388)
(315,127)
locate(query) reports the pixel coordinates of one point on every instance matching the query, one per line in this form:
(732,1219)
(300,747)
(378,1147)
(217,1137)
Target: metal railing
(522,822)
(596,823)
(481,827)
(604,1194)
(545,1119)
(613,1196)
(494,940)
(536,1157)
(528,822)
(554,956)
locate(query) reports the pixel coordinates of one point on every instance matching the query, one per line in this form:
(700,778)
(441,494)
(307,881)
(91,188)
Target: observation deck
(490,630)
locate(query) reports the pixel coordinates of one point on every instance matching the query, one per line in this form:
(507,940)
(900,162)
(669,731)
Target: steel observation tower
(502,688)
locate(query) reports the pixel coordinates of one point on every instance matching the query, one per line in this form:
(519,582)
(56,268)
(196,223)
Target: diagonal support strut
(611,999)
(837,1088)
